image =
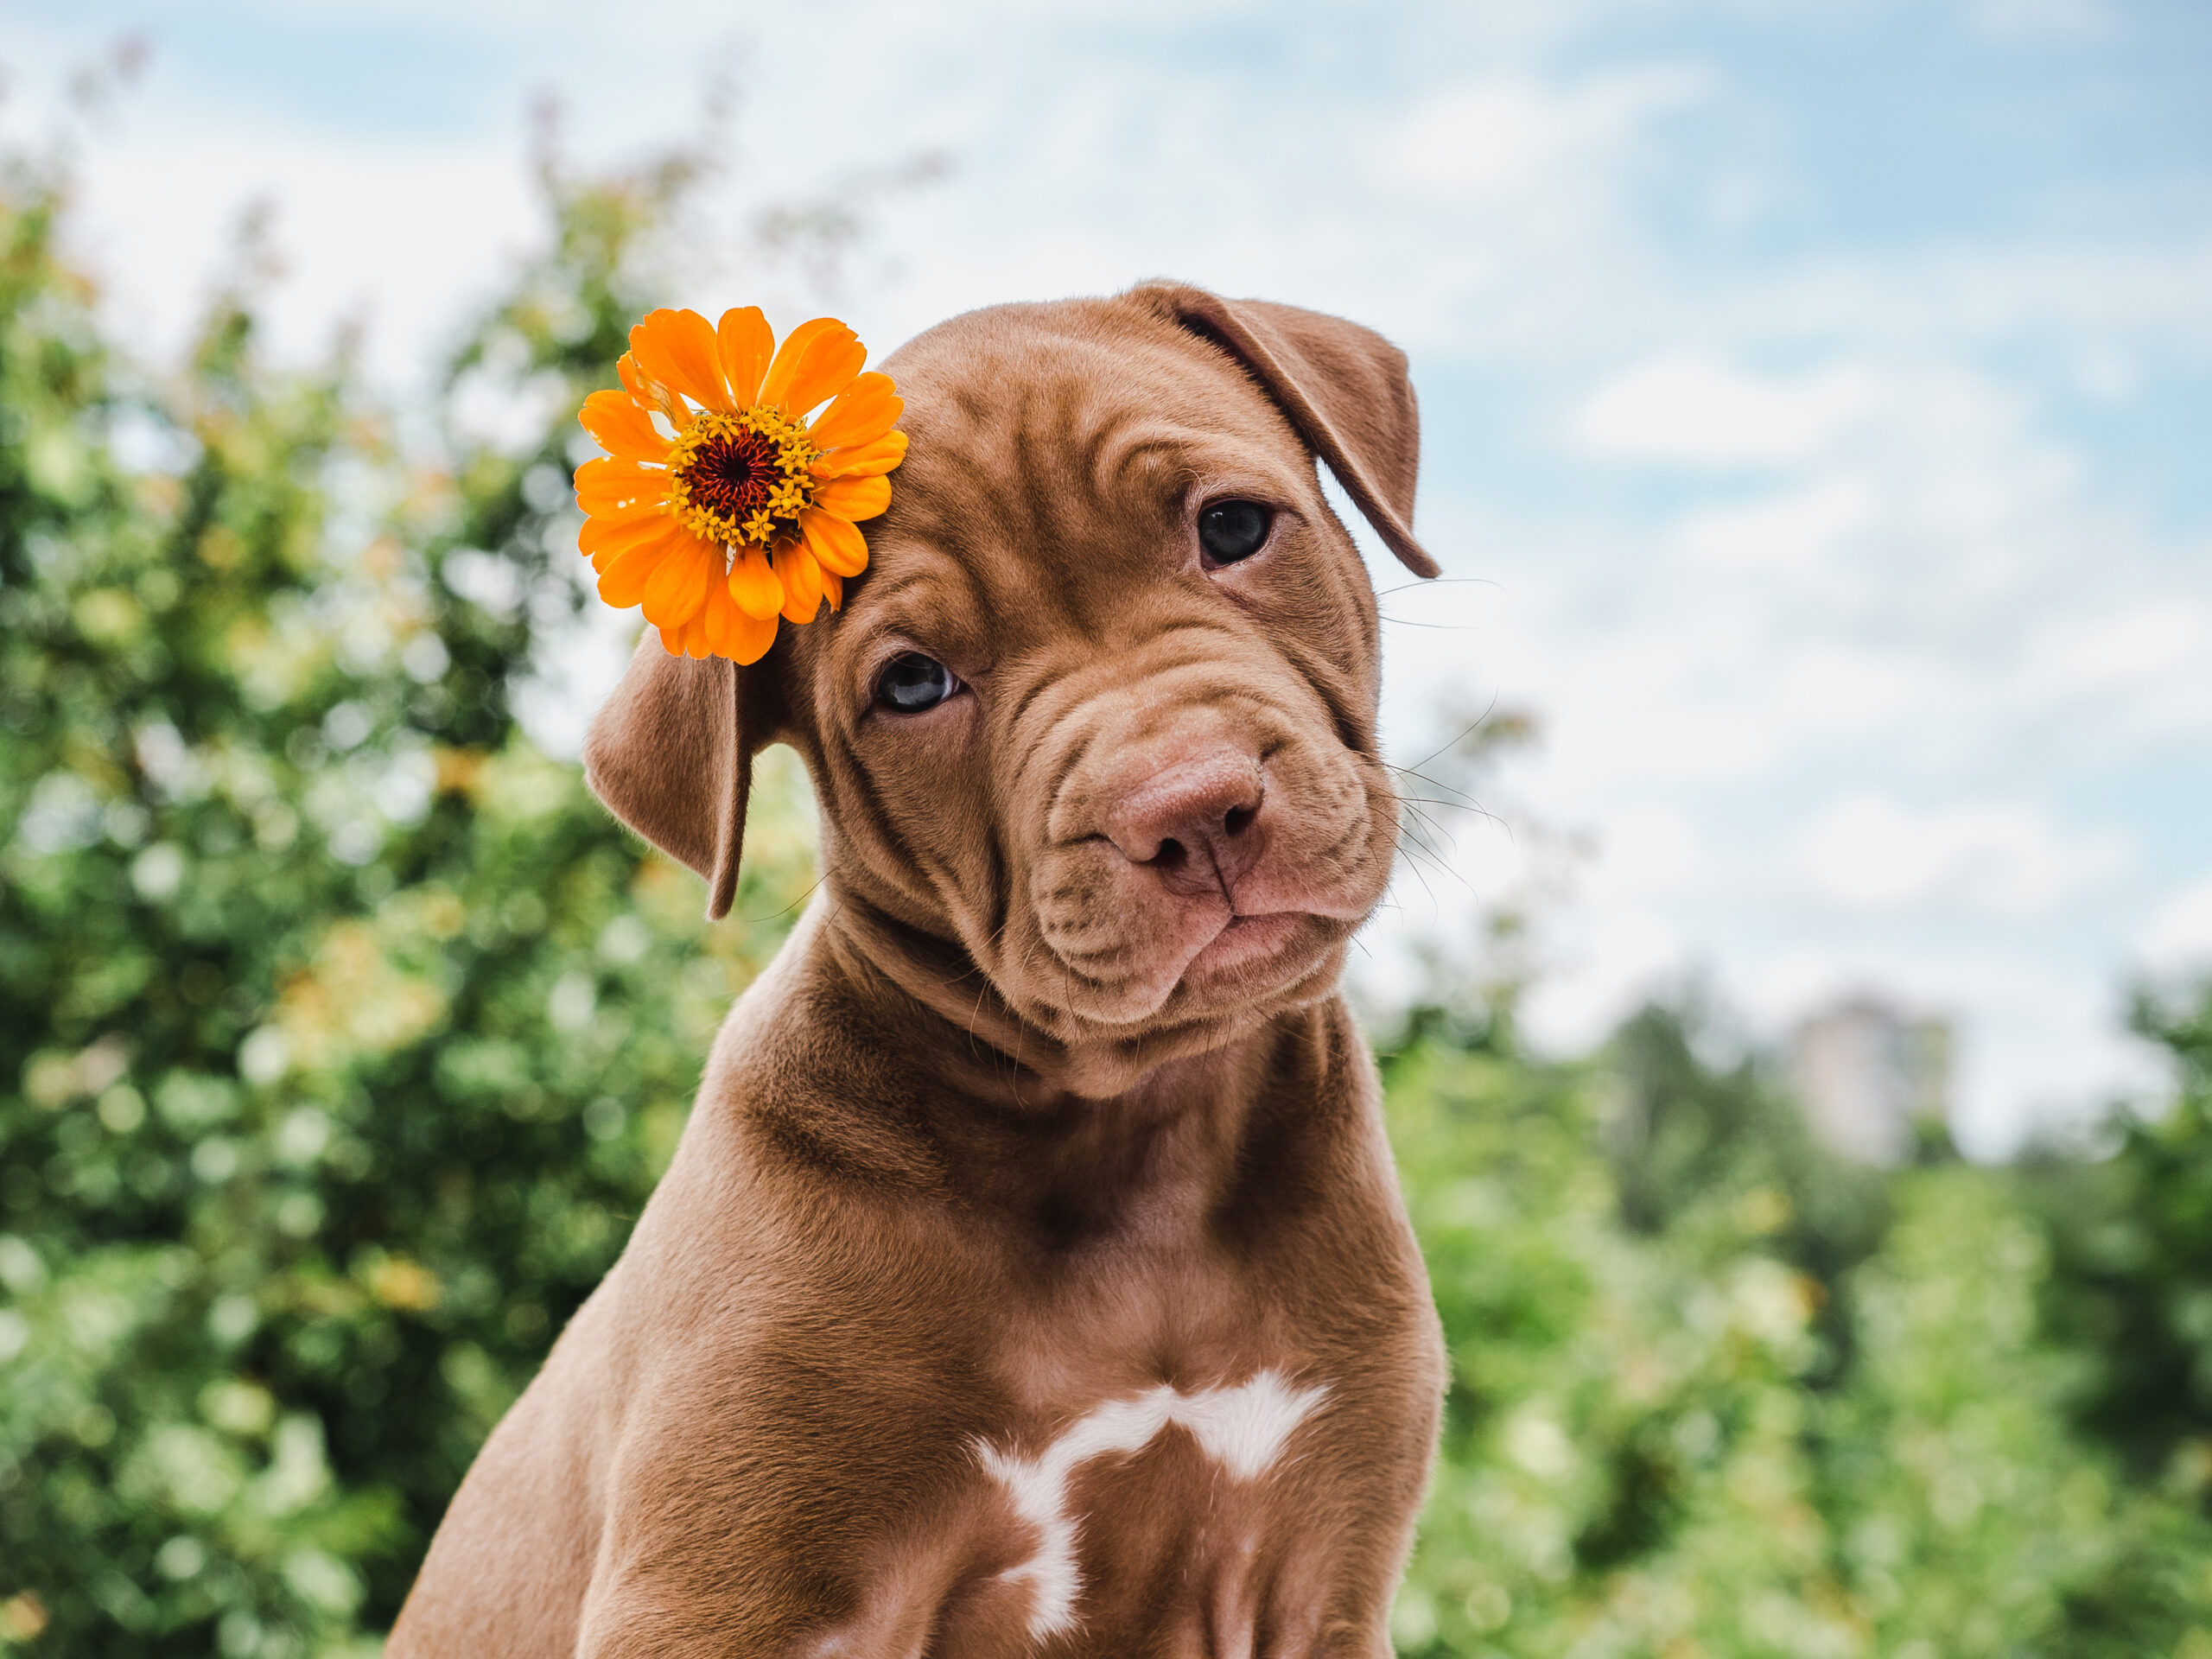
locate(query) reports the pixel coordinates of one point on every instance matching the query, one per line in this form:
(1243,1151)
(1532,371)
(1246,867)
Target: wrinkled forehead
(1050,445)
(1023,386)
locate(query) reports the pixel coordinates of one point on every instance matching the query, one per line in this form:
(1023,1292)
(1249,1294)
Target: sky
(1816,398)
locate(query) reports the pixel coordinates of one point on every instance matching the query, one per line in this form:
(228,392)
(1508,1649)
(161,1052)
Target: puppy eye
(1231,531)
(912,682)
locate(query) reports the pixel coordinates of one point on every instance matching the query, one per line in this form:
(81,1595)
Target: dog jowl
(1032,1278)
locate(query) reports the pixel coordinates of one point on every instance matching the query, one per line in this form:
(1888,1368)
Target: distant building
(1866,1074)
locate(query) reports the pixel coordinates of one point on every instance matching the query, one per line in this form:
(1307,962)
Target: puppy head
(1098,725)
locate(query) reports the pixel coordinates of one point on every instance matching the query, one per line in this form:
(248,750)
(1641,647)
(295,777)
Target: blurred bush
(1716,1394)
(2133,1235)
(342,1036)
(342,1033)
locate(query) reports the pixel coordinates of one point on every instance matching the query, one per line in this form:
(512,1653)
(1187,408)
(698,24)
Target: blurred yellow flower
(22,1617)
(743,509)
(405,1285)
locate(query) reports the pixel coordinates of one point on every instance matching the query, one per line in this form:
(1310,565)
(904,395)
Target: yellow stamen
(741,476)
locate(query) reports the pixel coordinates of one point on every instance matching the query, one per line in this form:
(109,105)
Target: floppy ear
(1343,387)
(671,754)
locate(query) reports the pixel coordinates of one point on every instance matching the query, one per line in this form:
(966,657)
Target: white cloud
(1697,410)
(2129,669)
(1503,134)
(402,239)
(1796,529)
(1596,976)
(1647,851)
(2176,938)
(1849,690)
(1867,852)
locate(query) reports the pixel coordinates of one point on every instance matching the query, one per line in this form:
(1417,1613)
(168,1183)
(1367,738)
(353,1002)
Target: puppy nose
(1193,822)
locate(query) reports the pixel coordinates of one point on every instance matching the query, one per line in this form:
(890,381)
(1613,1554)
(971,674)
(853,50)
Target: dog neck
(908,1096)
(994,1053)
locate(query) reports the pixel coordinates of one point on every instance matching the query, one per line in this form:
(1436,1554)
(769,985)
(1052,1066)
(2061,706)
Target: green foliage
(342,1035)
(2133,1235)
(1652,1445)
(1689,1136)
(1970,1519)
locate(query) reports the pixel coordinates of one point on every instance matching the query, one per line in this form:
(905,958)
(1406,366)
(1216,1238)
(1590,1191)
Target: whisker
(1449,843)
(1437,581)
(1422,776)
(1416,851)
(751,921)
(1415,802)
(1414,857)
(1462,737)
(1418,830)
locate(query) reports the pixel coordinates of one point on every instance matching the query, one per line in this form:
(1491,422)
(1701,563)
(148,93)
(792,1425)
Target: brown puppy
(1032,1278)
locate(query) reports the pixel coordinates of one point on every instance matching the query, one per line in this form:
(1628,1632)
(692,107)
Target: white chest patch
(1243,1429)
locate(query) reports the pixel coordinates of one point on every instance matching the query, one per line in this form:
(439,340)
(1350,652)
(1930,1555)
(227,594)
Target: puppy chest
(1139,1496)
(1164,1521)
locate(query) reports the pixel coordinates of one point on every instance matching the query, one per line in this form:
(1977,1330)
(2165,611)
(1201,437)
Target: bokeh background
(1792,1003)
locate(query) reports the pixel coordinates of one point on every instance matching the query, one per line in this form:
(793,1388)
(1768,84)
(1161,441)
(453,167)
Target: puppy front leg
(838,1565)
(950,1599)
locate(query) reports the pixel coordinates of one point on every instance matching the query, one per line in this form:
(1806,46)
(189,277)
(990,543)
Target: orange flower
(742,510)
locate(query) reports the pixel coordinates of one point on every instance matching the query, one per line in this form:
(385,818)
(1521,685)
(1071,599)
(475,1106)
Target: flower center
(742,478)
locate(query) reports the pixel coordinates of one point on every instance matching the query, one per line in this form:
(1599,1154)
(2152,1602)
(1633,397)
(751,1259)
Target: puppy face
(1103,709)
(1098,724)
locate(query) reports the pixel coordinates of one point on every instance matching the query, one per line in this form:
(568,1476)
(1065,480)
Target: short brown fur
(1051,1100)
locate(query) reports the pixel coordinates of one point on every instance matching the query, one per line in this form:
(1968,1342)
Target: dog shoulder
(802,1093)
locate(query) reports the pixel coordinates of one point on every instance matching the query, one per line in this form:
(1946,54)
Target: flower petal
(836,543)
(635,513)
(603,541)
(747,343)
(833,589)
(830,368)
(677,348)
(796,346)
(620,428)
(622,584)
(672,640)
(855,498)
(753,584)
(716,615)
(751,637)
(695,635)
(880,456)
(607,484)
(863,412)
(677,587)
(609,469)
(617,532)
(731,633)
(802,579)
(649,395)
(621,503)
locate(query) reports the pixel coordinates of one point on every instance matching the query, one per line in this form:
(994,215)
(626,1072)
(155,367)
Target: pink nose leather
(1196,822)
